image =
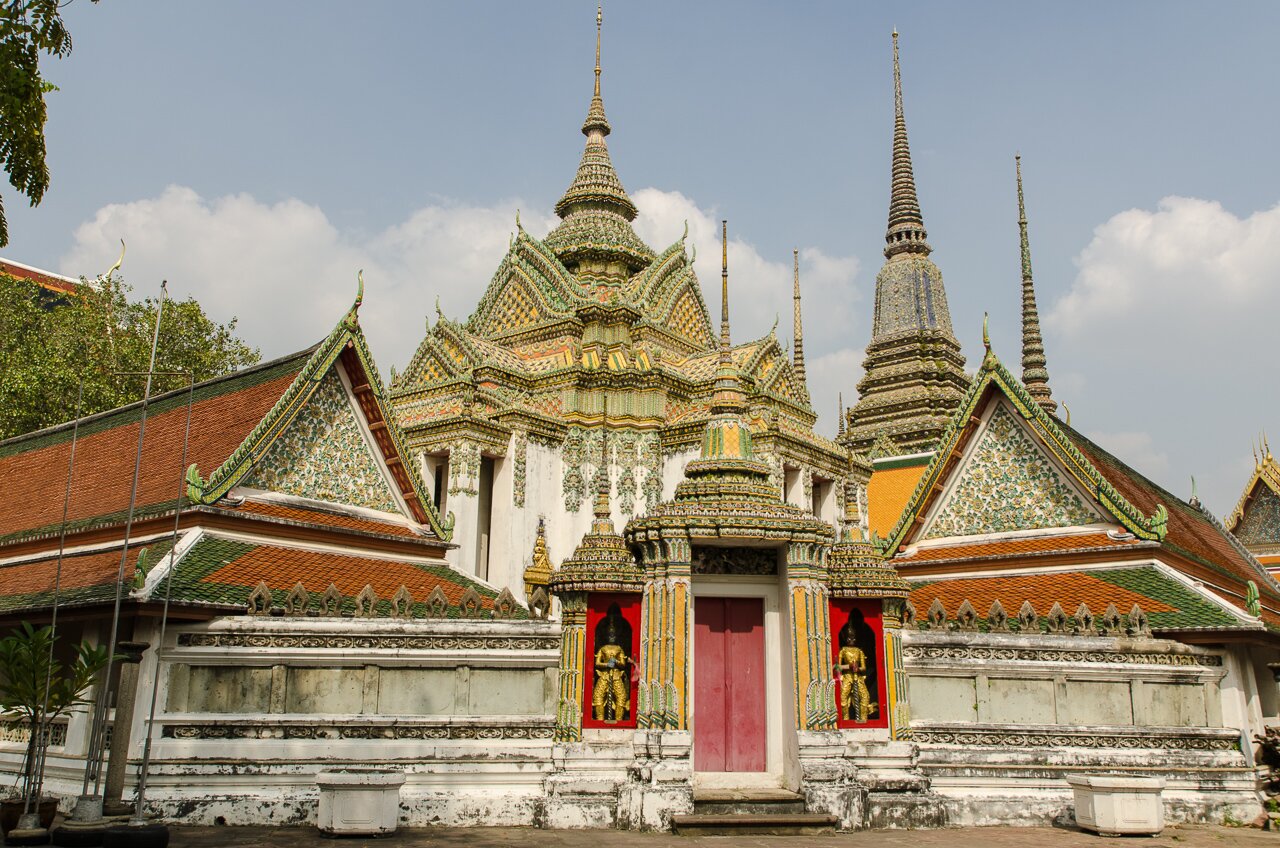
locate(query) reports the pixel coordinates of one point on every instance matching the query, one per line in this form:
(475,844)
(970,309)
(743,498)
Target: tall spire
(1035,374)
(595,210)
(914,371)
(840,413)
(906,233)
(797,352)
(728,397)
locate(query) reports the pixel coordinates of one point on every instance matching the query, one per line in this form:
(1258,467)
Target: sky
(256,155)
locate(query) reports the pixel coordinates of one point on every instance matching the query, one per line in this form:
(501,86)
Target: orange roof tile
(1013,547)
(34,467)
(30,584)
(327,518)
(283,568)
(1042,590)
(888,493)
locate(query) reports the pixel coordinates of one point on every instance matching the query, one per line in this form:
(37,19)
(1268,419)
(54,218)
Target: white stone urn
(1111,805)
(359,802)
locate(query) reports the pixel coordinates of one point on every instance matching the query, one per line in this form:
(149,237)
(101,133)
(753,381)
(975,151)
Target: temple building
(585,563)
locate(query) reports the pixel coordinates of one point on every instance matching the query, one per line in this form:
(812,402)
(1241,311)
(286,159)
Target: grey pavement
(1198,836)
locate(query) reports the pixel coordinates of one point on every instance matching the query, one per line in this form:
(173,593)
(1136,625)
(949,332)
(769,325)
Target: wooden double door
(729,715)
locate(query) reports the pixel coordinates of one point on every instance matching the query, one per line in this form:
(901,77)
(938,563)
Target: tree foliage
(28,28)
(48,342)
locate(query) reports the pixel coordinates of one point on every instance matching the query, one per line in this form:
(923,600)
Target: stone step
(754,824)
(726,802)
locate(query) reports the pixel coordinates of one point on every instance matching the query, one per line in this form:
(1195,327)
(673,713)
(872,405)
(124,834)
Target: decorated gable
(1260,522)
(323,454)
(1008,483)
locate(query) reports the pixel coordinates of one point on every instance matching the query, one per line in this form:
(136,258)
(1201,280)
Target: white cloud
(1184,267)
(288,273)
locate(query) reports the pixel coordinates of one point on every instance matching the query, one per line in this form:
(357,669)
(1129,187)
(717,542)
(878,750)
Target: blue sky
(256,154)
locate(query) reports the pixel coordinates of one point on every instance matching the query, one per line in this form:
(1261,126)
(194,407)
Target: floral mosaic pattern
(1261,522)
(1009,484)
(521,472)
(323,455)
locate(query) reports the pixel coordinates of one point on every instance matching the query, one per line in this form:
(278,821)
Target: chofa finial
(115,267)
(986,335)
(359,289)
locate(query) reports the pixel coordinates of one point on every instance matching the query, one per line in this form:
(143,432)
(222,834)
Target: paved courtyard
(481,837)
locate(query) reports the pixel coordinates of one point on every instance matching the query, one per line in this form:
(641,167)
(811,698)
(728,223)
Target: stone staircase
(750,812)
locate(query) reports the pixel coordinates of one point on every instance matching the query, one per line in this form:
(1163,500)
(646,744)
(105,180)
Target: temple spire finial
(1035,372)
(602,509)
(906,233)
(840,413)
(797,353)
(596,122)
(599,26)
(724,288)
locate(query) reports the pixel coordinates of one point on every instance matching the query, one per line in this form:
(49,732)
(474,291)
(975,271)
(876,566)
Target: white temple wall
(1001,718)
(251,708)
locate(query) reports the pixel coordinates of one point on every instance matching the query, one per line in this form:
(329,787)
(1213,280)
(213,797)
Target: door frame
(776,675)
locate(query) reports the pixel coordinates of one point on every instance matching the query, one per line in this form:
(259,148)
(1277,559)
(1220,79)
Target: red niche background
(598,604)
(871,636)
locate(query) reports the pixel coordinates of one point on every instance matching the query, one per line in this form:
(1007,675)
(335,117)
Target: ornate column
(679,555)
(652,696)
(895,676)
(811,629)
(573,607)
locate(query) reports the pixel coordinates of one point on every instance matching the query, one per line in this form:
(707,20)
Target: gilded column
(811,646)
(680,601)
(895,671)
(652,638)
(572,644)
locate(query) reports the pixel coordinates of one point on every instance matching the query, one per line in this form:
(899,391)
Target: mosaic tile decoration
(1008,484)
(1260,524)
(324,456)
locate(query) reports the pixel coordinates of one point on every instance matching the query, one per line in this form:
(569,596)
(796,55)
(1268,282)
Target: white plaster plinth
(1111,805)
(359,802)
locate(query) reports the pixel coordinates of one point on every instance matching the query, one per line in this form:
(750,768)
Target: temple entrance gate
(729,685)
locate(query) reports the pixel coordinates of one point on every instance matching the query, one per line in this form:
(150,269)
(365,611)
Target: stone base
(660,781)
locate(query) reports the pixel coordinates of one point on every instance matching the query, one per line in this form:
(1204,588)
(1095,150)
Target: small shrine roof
(1169,603)
(225,572)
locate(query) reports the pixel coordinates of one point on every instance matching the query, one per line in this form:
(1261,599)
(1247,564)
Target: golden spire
(599,26)
(840,413)
(724,288)
(797,353)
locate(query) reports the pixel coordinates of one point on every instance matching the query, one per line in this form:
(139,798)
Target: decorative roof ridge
(155,400)
(539,266)
(1244,552)
(1265,470)
(1035,369)
(346,333)
(992,375)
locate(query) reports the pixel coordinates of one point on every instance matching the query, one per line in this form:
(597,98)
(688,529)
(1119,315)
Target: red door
(728,685)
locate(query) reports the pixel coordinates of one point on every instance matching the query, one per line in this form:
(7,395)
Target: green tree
(36,687)
(49,342)
(28,28)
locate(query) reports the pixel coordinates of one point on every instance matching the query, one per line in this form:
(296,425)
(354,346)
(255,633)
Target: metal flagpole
(30,818)
(93,761)
(141,794)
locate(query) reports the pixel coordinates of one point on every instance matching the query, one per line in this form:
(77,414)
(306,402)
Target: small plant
(36,689)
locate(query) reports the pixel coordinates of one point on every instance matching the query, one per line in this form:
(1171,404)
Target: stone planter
(1111,805)
(359,802)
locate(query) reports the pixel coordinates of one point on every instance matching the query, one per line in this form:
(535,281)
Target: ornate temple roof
(914,371)
(595,211)
(1256,519)
(1116,494)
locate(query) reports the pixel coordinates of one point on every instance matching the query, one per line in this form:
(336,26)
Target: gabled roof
(994,379)
(347,343)
(88,577)
(1262,492)
(234,420)
(1137,504)
(224,412)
